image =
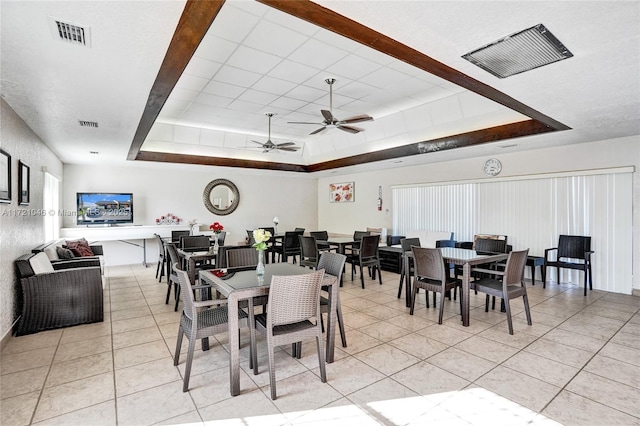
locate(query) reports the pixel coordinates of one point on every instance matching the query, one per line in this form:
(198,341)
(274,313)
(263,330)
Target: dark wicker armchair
(573,252)
(69,294)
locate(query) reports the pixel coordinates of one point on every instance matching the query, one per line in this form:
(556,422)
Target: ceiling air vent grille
(72,33)
(519,52)
(88,123)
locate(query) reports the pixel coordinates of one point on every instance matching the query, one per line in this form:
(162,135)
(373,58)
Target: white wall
(344,218)
(20,230)
(176,188)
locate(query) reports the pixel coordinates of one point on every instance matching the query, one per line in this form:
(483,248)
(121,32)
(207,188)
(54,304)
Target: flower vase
(260,267)
(215,243)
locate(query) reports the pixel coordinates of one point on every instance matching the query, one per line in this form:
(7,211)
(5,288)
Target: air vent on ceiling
(72,33)
(88,123)
(519,52)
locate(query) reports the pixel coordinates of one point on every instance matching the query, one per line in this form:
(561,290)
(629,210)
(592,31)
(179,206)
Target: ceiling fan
(331,121)
(269,146)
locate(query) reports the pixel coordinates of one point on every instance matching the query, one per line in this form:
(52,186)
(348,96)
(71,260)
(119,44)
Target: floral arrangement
(261,237)
(168,219)
(193,222)
(218,273)
(216,227)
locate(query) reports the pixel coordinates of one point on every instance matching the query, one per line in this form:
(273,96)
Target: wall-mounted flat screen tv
(104,208)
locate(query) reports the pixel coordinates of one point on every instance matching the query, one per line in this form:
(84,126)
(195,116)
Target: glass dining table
(245,285)
(464,257)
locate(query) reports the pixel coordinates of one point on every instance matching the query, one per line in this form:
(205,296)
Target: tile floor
(578,364)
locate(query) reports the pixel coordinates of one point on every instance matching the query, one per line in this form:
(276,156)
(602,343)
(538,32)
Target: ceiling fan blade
(350,129)
(317,131)
(285,144)
(259,143)
(328,116)
(357,119)
(304,122)
(289,149)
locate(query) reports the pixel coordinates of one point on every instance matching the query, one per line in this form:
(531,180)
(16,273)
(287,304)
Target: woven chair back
(320,235)
(176,235)
(160,243)
(357,235)
(514,270)
(195,241)
(291,241)
(369,246)
(407,243)
(186,293)
(573,246)
(242,257)
(332,263)
(428,263)
(173,253)
(308,248)
(488,245)
(294,298)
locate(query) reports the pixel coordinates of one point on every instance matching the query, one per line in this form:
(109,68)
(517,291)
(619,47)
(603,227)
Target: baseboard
(635,292)
(7,336)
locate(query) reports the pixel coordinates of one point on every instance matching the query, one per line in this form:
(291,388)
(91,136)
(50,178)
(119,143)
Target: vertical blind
(532,212)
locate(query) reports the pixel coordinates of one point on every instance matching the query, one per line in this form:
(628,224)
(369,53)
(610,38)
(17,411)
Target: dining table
(245,285)
(458,256)
(341,242)
(191,257)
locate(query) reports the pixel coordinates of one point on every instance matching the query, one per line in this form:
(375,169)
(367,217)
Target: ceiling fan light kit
(331,121)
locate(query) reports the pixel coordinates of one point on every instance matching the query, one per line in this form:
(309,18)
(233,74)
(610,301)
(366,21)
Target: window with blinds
(532,212)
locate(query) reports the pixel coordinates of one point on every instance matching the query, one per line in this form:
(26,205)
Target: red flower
(218,272)
(216,227)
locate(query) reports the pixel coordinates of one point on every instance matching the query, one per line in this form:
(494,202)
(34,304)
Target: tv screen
(104,208)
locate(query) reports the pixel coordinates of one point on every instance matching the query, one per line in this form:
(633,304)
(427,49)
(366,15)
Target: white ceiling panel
(256,59)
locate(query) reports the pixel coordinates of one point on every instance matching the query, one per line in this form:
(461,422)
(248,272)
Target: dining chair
(308,252)
(172,275)
(406,244)
(572,252)
(367,256)
(176,235)
(430,275)
(290,247)
(333,264)
(242,257)
(193,242)
(162,259)
(294,310)
(508,284)
(321,238)
(200,319)
(301,230)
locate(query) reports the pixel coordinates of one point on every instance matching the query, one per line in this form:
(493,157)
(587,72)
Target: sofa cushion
(40,263)
(79,247)
(64,253)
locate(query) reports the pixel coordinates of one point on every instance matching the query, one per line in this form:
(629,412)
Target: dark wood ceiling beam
(490,134)
(194,23)
(218,161)
(332,21)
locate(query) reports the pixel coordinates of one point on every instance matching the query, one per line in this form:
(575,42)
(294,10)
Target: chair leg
(413,298)
(272,371)
(486,304)
(176,356)
(441,306)
(321,361)
(377,268)
(526,308)
(507,307)
(322,322)
(175,309)
(166,302)
(158,270)
(361,276)
(187,367)
(401,280)
(343,336)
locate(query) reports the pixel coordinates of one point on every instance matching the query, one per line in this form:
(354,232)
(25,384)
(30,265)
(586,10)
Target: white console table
(125,234)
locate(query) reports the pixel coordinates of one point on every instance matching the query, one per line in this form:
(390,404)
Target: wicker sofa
(58,294)
(50,249)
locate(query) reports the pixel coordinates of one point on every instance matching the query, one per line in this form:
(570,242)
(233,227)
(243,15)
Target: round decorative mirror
(221,197)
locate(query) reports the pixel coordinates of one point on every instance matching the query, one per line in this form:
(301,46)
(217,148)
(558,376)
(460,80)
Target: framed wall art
(24,193)
(341,192)
(5,177)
